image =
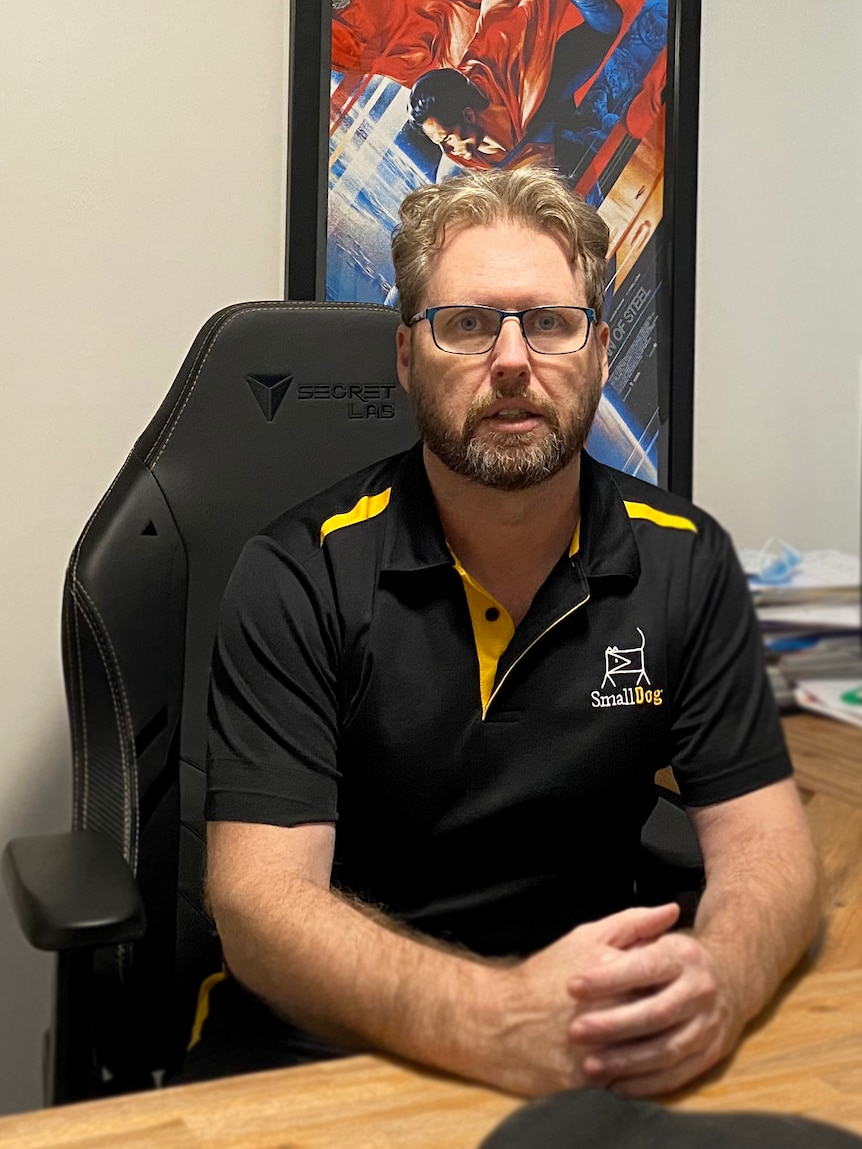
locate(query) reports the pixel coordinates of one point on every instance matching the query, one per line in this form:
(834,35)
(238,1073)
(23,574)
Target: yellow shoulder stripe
(367,507)
(660,518)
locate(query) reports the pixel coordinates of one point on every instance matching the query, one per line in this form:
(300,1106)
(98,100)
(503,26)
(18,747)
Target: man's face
(510,418)
(458,142)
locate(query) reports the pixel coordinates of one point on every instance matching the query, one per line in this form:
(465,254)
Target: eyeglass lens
(473,330)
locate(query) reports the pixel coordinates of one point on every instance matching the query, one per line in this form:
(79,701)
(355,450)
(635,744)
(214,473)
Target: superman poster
(420,90)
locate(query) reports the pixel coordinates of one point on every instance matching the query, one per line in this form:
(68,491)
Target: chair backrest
(274,402)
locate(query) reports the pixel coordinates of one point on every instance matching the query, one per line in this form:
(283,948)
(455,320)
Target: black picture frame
(307,168)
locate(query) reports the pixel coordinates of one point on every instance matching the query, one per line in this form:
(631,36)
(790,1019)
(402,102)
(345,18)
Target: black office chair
(274,402)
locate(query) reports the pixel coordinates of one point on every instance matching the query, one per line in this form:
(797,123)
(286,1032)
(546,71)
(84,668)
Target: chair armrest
(668,835)
(72,891)
(669,867)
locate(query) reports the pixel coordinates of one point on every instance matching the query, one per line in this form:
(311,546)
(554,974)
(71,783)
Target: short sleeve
(273,702)
(727,736)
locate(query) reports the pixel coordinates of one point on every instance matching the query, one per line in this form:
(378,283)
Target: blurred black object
(597,1119)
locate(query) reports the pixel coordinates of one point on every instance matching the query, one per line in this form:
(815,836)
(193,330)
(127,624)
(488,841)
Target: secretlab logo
(374,401)
(269,390)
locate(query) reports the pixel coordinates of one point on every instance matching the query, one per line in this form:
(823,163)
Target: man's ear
(403,353)
(469,115)
(603,337)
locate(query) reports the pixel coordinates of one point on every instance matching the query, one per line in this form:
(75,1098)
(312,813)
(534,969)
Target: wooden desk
(804,1056)
(827,756)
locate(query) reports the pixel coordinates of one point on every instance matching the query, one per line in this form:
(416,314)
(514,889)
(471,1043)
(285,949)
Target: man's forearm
(678,1006)
(357,980)
(347,977)
(760,910)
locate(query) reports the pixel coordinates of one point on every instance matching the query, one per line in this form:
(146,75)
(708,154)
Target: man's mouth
(513,419)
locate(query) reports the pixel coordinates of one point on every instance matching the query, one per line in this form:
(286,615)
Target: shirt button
(492,614)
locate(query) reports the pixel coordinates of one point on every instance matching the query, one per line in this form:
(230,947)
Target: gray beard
(505,462)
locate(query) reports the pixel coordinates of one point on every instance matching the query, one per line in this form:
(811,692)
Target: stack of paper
(808,605)
(836,698)
(796,576)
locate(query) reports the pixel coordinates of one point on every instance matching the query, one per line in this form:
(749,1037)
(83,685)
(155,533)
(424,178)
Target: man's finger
(631,971)
(605,1066)
(639,924)
(664,1081)
(661,1054)
(632,1021)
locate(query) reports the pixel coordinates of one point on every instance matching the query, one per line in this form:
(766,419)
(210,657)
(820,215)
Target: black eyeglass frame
(430,312)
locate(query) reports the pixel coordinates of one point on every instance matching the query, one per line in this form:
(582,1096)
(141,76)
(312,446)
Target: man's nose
(511,357)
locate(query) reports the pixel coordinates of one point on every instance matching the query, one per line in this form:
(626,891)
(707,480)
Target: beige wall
(779,293)
(141,182)
(142,187)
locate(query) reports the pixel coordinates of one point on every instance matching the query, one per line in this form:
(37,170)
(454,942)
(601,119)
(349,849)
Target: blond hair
(533,196)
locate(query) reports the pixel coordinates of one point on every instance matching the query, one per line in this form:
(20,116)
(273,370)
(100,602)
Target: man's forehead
(460,227)
(491,236)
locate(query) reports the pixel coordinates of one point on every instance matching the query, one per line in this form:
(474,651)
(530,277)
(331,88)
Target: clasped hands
(645,1010)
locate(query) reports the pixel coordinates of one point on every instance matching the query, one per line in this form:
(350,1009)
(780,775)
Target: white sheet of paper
(817,570)
(835,697)
(825,616)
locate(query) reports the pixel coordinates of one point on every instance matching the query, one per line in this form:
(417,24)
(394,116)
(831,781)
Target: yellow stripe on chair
(367,507)
(660,518)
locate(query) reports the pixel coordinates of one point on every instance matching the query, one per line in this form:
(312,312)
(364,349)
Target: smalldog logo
(627,664)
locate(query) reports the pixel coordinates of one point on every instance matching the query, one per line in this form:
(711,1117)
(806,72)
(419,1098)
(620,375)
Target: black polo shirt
(489,782)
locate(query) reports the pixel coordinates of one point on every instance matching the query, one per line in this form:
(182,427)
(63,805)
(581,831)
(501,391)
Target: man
(442,689)
(523,65)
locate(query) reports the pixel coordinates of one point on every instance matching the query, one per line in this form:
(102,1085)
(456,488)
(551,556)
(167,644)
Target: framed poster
(386,95)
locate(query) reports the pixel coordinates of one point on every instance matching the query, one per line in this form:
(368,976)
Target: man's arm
(361,983)
(694,993)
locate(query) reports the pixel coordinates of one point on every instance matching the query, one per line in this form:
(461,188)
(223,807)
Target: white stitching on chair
(77,588)
(121,710)
(244,309)
(122,953)
(76,585)
(117,718)
(76,554)
(78,669)
(130,777)
(226,319)
(241,309)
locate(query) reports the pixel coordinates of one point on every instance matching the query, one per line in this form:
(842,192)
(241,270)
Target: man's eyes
(547,321)
(470,321)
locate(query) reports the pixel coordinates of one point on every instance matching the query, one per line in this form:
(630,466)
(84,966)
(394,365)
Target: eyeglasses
(467,329)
